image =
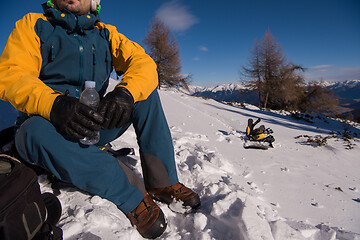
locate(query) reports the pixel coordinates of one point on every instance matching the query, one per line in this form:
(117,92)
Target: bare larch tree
(163,48)
(274,78)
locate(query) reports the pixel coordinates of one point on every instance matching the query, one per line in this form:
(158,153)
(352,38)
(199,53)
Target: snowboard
(257,145)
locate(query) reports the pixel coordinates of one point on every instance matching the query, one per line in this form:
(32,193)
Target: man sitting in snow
(43,67)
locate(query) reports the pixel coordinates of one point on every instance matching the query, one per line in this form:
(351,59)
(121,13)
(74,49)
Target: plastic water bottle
(91,98)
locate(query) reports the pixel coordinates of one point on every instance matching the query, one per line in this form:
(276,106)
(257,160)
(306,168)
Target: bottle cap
(89,84)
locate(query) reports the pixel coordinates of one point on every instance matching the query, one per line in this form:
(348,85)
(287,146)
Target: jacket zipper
(81,50)
(94,62)
(52,53)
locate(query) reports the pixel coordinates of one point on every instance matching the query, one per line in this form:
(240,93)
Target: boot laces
(179,190)
(146,208)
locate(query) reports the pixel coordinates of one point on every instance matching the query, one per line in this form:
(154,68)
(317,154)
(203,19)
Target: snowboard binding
(260,134)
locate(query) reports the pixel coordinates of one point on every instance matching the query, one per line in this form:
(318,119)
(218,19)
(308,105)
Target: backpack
(25,213)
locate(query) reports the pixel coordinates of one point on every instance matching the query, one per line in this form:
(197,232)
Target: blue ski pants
(96,171)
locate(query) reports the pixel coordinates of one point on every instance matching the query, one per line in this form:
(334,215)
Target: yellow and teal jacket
(56,52)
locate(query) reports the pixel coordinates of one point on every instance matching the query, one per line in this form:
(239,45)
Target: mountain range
(348,93)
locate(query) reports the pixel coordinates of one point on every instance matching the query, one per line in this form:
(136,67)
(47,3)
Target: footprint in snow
(316,204)
(353,189)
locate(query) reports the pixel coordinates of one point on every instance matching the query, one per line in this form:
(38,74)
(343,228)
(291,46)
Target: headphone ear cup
(94,5)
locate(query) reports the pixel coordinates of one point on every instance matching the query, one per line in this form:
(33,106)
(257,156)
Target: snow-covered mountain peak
(346,83)
(227,87)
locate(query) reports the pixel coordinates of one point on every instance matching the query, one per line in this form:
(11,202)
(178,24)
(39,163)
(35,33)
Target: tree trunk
(266,99)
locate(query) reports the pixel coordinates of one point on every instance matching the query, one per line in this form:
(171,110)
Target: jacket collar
(71,22)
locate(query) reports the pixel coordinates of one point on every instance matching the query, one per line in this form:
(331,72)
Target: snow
(347,83)
(292,191)
(227,87)
(223,87)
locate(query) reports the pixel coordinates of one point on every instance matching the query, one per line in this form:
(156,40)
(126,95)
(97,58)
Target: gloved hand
(116,108)
(73,118)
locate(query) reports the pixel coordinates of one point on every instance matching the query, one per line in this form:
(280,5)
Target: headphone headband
(49,3)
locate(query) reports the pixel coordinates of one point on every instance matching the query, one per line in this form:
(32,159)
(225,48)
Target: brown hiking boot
(148,218)
(178,192)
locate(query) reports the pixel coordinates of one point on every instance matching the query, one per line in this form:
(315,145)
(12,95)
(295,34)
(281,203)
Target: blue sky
(215,37)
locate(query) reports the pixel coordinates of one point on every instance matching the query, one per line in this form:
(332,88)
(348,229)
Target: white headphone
(94,5)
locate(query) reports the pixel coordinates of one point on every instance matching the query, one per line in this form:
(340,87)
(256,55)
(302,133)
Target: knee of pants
(35,131)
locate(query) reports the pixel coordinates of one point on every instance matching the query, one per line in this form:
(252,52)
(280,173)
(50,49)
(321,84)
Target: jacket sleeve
(20,65)
(140,75)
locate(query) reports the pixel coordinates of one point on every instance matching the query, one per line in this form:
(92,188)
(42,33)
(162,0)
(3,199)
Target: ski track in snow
(236,203)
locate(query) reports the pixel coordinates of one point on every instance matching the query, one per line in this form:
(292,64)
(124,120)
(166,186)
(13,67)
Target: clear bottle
(91,98)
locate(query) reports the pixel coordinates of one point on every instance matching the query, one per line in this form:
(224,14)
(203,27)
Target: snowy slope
(280,193)
(293,191)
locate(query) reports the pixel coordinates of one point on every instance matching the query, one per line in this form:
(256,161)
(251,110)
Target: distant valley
(348,93)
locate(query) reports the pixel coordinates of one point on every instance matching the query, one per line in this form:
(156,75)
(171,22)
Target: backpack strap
(257,121)
(5,156)
(53,208)
(49,230)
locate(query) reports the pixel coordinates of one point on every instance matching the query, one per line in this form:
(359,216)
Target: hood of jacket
(70,21)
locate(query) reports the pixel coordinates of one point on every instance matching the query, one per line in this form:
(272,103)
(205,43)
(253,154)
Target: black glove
(73,118)
(116,108)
